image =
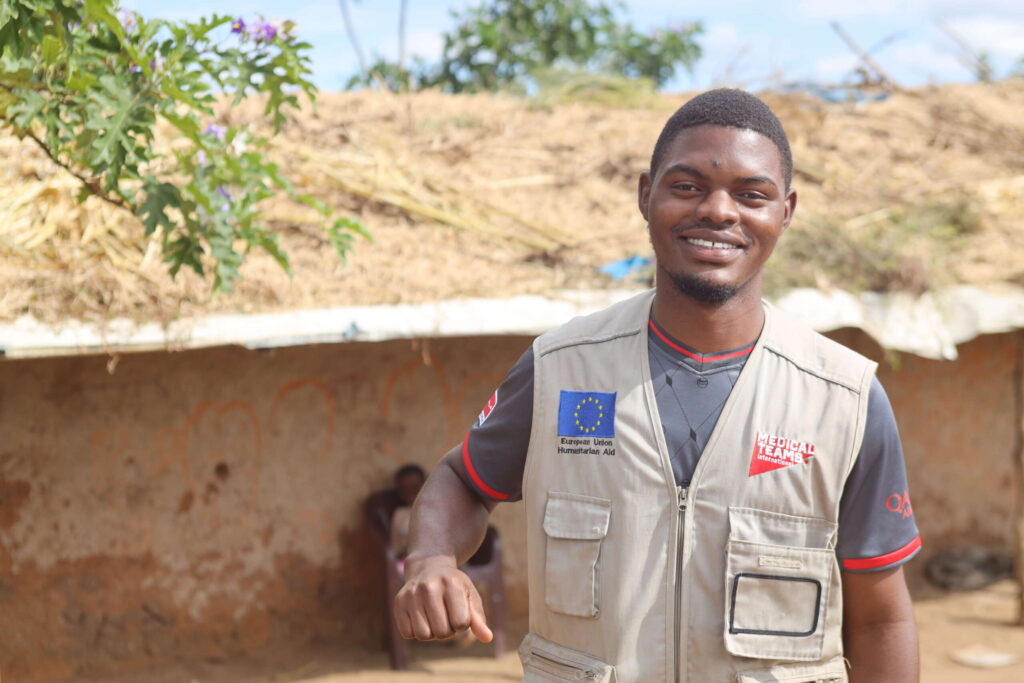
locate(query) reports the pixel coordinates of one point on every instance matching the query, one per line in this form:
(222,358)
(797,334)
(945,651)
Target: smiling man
(707,482)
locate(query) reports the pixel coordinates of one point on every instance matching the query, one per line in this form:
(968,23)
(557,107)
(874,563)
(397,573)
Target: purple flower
(129,20)
(238,25)
(269,31)
(216,131)
(226,195)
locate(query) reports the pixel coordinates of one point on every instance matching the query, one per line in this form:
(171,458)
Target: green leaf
(159,196)
(51,49)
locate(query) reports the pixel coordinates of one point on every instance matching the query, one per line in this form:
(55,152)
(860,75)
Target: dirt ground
(976,621)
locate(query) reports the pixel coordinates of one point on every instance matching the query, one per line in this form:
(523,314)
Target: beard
(702,290)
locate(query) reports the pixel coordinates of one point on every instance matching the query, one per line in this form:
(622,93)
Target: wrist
(417,562)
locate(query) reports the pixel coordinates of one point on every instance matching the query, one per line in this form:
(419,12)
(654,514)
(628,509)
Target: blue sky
(744,43)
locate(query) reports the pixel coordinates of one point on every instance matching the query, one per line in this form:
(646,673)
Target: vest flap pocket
(833,671)
(776,599)
(761,526)
(575,526)
(544,660)
(570,515)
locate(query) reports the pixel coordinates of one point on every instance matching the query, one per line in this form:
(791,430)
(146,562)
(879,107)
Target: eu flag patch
(586,413)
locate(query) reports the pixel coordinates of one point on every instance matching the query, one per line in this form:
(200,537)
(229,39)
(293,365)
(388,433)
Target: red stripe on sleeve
(475,476)
(883,560)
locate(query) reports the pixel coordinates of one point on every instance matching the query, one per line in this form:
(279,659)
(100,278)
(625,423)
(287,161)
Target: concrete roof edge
(930,325)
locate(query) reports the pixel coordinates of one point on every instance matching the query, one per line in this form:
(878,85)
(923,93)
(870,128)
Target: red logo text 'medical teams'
(775,452)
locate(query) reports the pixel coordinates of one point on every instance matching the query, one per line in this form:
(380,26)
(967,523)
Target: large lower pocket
(777,597)
(575,526)
(833,671)
(544,660)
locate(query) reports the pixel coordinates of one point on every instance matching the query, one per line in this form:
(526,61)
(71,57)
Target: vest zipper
(681,497)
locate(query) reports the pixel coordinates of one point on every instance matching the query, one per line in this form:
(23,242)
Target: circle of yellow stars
(600,414)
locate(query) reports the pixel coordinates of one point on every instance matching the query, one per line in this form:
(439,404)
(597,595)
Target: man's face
(715,208)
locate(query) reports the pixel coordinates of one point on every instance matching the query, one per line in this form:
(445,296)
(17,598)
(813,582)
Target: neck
(709,327)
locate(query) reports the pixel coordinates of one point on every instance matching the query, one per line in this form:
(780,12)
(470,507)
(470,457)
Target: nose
(719,208)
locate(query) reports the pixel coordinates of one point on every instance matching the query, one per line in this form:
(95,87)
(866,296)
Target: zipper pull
(682,497)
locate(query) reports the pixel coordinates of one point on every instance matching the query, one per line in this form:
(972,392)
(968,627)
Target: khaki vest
(734,579)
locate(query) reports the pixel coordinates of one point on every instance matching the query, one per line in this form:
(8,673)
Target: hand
(438,601)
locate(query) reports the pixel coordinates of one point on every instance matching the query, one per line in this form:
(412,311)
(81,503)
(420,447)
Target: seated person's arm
(449,521)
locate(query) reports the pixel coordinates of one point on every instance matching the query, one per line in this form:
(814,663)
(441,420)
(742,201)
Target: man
(709,485)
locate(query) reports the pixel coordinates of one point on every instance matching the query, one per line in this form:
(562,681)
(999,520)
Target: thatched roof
(480,196)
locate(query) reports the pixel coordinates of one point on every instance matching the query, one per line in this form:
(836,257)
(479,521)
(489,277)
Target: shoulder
(622,319)
(815,353)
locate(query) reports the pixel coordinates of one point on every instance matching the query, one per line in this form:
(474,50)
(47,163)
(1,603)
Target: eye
(684,187)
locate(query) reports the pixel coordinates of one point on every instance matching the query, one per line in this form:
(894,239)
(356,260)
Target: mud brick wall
(207,503)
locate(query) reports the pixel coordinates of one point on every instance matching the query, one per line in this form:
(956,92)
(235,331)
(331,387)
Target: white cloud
(834,69)
(920,59)
(425,44)
(819,9)
(1005,8)
(1000,37)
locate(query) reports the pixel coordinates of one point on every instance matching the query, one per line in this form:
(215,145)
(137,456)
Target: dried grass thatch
(492,196)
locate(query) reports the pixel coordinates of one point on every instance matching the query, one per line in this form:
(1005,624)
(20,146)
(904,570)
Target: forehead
(738,151)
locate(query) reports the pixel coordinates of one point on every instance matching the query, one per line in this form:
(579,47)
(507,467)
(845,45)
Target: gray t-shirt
(876,523)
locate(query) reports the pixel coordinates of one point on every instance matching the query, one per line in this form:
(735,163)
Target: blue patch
(586,413)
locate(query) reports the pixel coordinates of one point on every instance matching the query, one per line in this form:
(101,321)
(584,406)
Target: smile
(707,244)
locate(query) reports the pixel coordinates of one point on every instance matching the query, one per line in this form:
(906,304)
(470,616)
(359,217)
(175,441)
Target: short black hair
(406,470)
(726,107)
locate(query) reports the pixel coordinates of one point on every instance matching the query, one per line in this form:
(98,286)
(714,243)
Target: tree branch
(90,184)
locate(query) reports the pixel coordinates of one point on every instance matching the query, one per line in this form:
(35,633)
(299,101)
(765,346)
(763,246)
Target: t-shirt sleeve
(877,529)
(494,450)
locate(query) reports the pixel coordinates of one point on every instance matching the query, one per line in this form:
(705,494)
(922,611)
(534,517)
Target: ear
(790,209)
(643,194)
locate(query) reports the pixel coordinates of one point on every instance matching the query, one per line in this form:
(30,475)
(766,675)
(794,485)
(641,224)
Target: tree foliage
(502,43)
(89,84)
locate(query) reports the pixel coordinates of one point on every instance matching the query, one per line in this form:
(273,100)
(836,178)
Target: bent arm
(879,631)
(448,518)
(448,524)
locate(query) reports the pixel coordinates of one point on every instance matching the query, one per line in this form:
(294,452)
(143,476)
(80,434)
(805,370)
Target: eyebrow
(690,170)
(682,168)
(758,179)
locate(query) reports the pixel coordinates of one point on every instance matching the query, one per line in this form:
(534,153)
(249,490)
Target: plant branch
(403,7)
(90,183)
(352,38)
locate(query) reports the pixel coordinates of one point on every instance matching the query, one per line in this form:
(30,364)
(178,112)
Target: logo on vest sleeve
(775,452)
(493,401)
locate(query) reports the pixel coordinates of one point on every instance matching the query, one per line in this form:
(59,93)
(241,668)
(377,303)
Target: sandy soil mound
(492,196)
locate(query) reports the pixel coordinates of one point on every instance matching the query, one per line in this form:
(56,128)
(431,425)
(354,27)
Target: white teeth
(710,245)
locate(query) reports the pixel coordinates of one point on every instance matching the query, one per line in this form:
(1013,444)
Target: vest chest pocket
(779,590)
(575,526)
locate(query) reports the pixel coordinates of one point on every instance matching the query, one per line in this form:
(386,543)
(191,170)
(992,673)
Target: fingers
(456,599)
(439,608)
(477,620)
(404,623)
(433,602)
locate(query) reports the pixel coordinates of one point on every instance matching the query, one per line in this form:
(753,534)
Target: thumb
(477,620)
